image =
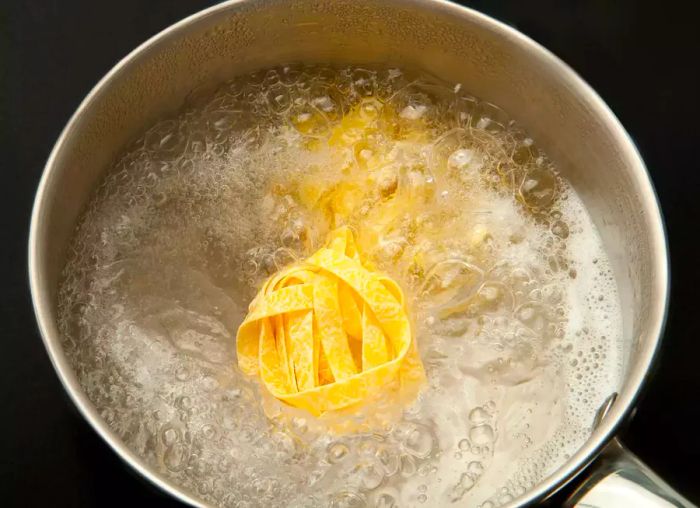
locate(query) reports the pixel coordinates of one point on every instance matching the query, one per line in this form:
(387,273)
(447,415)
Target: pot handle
(619,479)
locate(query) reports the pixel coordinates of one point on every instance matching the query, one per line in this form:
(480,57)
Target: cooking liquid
(512,298)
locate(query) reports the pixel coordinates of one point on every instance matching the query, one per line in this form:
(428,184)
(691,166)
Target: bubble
(490,117)
(407,466)
(451,281)
(475,469)
(466,483)
(388,460)
(210,384)
(327,100)
(279,98)
(504,498)
(314,477)
(419,442)
(538,189)
(425,469)
(532,315)
(386,501)
(223,121)
(272,77)
(182,373)
(347,500)
(337,452)
(465,108)
(523,154)
(371,475)
(224,465)
(448,151)
(308,120)
(478,415)
(300,425)
(169,435)
(493,296)
(209,431)
(165,138)
(175,457)
(481,435)
(370,109)
(462,160)
(560,229)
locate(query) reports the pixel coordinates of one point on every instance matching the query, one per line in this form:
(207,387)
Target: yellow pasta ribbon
(327,333)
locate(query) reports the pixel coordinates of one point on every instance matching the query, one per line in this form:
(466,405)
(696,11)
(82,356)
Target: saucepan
(492,61)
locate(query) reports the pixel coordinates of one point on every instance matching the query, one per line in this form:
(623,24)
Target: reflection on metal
(603,410)
(621,480)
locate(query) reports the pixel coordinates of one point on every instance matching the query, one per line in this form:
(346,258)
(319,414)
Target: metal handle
(619,479)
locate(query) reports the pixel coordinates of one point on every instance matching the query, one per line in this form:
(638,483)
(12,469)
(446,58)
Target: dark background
(641,57)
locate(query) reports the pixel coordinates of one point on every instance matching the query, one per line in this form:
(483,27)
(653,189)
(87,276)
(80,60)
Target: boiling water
(514,305)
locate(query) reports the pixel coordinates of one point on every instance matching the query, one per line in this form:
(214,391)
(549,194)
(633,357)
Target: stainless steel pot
(491,60)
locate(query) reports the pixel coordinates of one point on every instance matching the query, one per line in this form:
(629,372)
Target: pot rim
(548,485)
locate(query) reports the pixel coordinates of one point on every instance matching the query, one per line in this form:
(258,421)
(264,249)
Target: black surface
(641,58)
